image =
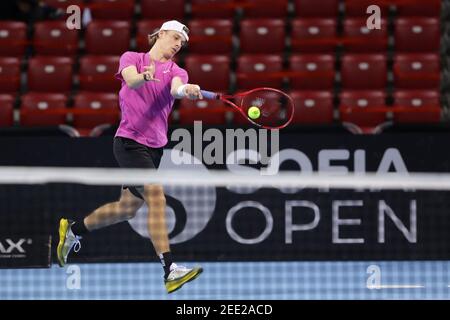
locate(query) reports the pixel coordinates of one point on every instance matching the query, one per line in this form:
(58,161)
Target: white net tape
(96,176)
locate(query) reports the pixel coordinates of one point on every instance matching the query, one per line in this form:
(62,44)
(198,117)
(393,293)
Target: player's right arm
(134,79)
(179,90)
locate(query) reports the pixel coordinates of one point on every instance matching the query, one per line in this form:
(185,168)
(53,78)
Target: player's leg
(70,232)
(175,276)
(156,223)
(114,212)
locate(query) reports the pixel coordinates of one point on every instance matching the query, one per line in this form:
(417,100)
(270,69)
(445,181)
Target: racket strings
(270,104)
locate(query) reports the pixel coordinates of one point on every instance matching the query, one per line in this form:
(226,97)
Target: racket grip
(209,95)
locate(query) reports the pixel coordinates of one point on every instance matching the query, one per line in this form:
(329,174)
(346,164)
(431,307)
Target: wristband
(180,91)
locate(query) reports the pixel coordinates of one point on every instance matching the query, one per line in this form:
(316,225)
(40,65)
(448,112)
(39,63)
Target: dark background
(36,209)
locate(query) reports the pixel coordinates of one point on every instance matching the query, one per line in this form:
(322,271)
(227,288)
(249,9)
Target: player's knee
(129,206)
(154,195)
(129,214)
(128,211)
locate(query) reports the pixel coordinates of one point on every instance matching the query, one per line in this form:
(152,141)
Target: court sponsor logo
(190,209)
(10,248)
(312,214)
(17,252)
(329,161)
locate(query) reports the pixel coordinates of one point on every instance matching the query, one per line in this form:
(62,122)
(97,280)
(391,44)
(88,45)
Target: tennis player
(151,82)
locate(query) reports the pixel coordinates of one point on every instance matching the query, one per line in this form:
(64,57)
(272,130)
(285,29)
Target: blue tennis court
(235,281)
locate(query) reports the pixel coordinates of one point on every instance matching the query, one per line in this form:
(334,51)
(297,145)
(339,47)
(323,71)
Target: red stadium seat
(50,74)
(162,9)
(425,106)
(54,38)
(6,110)
(361,39)
(211,36)
(316,71)
(313,35)
(97,73)
(358,8)
(264,36)
(105,104)
(9,74)
(211,72)
(107,37)
(355,107)
(417,71)
(313,107)
(364,71)
(144,28)
(213,9)
(430,8)
(310,8)
(252,71)
(112,9)
(13,38)
(210,112)
(417,35)
(266,9)
(38,109)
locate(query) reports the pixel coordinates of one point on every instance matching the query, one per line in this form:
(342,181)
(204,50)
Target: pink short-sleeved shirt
(145,110)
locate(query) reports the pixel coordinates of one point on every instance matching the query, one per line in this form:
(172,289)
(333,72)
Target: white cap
(174,25)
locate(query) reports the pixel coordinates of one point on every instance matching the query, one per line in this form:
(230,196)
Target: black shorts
(131,154)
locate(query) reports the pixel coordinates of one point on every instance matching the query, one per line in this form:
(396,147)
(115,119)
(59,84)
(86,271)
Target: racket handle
(209,95)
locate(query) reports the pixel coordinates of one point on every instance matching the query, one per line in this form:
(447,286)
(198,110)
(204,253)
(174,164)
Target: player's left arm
(180,90)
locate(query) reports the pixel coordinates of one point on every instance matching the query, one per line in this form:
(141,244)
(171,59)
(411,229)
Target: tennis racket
(276,108)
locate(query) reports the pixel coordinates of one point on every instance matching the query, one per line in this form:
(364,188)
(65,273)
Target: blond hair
(152,40)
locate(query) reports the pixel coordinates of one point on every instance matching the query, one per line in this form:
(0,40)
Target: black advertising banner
(32,251)
(211,224)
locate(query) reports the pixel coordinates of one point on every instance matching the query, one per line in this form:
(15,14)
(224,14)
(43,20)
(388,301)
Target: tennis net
(289,235)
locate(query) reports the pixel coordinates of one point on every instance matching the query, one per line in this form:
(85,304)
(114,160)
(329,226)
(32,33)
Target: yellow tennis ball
(254,112)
